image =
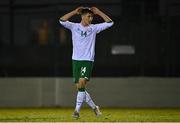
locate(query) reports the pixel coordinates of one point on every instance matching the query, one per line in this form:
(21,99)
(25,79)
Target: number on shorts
(83,70)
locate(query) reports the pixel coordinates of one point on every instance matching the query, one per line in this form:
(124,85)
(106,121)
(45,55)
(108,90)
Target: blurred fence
(106,92)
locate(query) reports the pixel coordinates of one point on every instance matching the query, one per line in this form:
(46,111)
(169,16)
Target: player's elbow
(111,23)
(62,19)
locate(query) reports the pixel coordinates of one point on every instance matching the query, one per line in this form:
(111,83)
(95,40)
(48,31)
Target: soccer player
(83,40)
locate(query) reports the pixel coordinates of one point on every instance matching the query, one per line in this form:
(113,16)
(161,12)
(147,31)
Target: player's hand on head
(79,9)
(95,10)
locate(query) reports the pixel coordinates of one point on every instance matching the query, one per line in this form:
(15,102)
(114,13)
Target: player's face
(87,18)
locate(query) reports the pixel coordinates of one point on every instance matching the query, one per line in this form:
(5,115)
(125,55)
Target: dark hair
(86,10)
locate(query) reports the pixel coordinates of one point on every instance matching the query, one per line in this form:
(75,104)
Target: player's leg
(75,68)
(83,95)
(91,103)
(80,85)
(86,71)
(81,73)
(80,94)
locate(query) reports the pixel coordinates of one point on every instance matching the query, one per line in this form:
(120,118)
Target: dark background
(33,43)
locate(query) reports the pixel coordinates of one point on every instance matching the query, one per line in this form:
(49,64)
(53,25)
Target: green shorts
(81,69)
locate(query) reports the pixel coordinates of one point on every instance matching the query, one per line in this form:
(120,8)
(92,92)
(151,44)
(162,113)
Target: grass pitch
(87,115)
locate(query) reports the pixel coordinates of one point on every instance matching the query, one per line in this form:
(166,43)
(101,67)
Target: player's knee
(82,83)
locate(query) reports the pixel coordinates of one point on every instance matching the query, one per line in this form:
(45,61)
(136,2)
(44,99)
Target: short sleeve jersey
(83,38)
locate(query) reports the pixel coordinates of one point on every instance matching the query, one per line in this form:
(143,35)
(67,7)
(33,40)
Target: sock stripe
(81,89)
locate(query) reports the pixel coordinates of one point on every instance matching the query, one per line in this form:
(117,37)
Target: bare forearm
(104,16)
(96,11)
(68,15)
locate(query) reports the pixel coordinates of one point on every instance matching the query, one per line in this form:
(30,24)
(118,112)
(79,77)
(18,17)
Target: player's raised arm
(96,11)
(102,26)
(70,14)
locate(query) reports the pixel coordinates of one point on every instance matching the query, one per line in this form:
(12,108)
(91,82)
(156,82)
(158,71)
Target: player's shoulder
(92,25)
(77,24)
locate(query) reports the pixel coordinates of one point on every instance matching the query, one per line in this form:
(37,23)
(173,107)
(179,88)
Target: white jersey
(84,38)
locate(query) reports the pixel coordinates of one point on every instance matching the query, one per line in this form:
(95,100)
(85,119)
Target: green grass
(109,115)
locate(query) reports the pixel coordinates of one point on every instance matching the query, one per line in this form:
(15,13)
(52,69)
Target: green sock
(81,89)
